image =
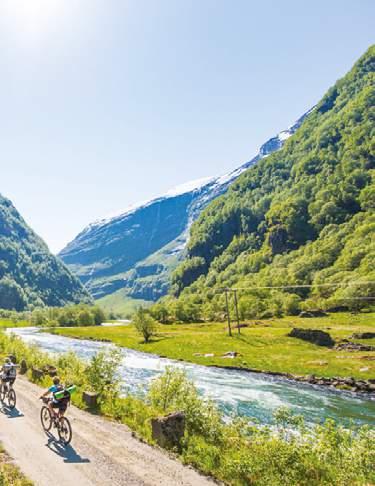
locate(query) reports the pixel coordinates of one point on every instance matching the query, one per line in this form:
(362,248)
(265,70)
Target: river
(236,392)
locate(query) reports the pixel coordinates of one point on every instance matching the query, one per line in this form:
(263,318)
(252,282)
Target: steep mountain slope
(303,215)
(133,254)
(29,274)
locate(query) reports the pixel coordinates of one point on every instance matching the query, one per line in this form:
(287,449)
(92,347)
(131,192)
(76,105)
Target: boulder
(23,367)
(90,399)
(168,431)
(315,336)
(313,313)
(363,335)
(349,346)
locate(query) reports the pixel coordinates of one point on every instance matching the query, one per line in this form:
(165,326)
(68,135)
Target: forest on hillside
(30,276)
(302,216)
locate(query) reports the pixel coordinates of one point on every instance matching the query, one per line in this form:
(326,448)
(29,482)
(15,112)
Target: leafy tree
(144,324)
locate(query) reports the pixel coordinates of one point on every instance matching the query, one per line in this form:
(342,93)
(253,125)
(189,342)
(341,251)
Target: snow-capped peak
(189,186)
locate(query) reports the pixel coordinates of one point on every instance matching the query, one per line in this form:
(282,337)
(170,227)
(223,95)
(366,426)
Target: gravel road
(101,452)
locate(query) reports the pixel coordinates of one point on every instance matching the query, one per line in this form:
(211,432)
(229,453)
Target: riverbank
(264,346)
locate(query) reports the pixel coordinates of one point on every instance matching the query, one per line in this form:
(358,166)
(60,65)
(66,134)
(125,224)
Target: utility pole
(236,307)
(228,313)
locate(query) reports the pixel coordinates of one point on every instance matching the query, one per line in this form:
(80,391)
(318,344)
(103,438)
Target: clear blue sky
(107,102)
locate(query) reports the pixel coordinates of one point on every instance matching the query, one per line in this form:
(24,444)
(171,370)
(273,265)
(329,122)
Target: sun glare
(31,19)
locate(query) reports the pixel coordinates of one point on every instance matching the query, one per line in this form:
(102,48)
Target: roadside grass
(10,475)
(4,323)
(264,345)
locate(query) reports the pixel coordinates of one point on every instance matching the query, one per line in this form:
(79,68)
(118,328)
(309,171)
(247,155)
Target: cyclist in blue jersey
(60,404)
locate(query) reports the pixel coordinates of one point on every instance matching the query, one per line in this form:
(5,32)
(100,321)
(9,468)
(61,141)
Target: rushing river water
(236,392)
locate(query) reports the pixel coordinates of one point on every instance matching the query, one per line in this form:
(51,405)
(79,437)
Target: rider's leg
(51,409)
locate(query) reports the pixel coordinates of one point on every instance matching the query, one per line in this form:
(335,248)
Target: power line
(301,286)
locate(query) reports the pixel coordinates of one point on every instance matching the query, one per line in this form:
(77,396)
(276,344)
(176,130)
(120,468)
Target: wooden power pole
(228,313)
(237,314)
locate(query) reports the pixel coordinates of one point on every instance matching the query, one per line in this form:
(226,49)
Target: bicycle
(7,392)
(61,423)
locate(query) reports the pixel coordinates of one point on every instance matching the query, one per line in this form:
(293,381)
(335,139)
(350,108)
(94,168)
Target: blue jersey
(54,389)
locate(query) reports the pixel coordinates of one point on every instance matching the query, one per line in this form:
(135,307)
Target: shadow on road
(11,413)
(67,452)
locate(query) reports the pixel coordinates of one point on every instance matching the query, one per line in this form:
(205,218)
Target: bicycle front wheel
(65,431)
(12,399)
(46,418)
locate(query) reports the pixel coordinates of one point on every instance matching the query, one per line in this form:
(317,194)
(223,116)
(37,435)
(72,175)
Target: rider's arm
(45,393)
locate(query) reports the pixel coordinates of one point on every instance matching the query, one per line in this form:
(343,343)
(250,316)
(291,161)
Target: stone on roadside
(90,399)
(37,374)
(169,430)
(23,367)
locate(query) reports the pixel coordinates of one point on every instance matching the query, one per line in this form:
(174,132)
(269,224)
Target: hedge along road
(236,392)
(102,452)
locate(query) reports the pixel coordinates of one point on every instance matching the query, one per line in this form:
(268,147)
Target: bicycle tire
(2,393)
(65,431)
(46,419)
(12,399)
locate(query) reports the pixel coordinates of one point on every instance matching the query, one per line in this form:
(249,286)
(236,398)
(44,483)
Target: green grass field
(121,304)
(264,345)
(9,323)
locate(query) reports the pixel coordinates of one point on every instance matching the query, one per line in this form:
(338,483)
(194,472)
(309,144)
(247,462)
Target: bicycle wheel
(2,392)
(12,399)
(65,431)
(46,418)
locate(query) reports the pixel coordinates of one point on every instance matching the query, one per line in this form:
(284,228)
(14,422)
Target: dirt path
(101,452)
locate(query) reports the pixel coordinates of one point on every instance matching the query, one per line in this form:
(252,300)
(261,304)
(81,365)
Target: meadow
(4,323)
(263,345)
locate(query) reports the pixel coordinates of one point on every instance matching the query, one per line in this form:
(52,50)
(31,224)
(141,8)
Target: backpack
(62,395)
(12,373)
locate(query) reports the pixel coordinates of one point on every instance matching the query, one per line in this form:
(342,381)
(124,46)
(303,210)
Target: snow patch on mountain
(189,187)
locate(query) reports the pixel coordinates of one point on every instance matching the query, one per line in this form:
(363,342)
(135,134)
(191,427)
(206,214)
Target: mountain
(29,274)
(304,215)
(133,254)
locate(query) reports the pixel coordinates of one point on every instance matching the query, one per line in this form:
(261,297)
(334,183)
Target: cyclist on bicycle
(8,373)
(61,404)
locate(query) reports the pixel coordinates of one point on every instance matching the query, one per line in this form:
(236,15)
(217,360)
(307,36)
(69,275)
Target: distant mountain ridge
(135,252)
(30,275)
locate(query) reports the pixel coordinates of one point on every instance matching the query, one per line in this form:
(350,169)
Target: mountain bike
(61,423)
(7,393)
